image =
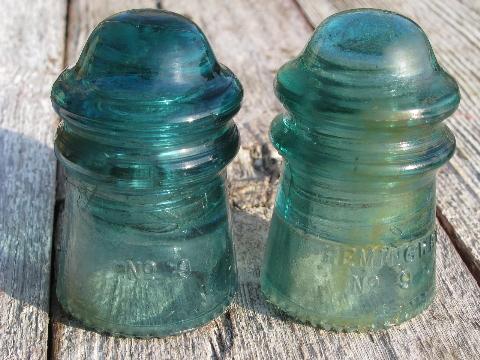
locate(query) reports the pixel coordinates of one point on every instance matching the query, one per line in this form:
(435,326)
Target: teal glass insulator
(351,245)
(145,136)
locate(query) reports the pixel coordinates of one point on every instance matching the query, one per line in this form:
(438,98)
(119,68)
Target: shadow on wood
(24,259)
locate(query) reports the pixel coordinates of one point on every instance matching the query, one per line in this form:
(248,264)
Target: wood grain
(454,32)
(31,48)
(254,39)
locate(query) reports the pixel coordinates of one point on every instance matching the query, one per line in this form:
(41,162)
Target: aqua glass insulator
(351,245)
(145,136)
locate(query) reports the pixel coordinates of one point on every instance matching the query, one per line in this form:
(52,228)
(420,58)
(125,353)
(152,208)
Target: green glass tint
(145,137)
(352,240)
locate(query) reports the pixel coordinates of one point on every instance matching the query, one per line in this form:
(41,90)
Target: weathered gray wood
(254,38)
(454,31)
(31,48)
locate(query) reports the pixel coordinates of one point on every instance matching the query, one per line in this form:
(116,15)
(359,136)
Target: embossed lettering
(404,279)
(410,253)
(360,284)
(367,257)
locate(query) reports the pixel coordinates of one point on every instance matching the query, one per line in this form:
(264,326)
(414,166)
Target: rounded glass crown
(147,103)
(368,93)
(370,62)
(142,62)
(372,40)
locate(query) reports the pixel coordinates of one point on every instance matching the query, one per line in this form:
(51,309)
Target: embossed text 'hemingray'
(370,256)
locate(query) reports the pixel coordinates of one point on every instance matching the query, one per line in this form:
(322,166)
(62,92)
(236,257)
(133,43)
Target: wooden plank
(31,44)
(455,37)
(252,39)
